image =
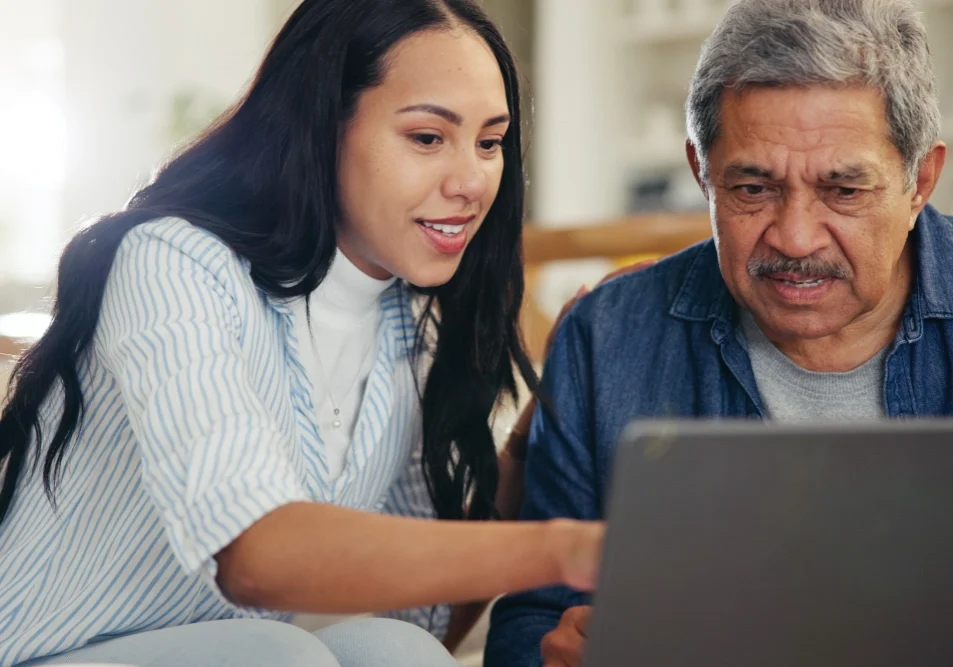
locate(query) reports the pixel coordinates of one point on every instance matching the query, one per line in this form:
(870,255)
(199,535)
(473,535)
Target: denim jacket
(665,342)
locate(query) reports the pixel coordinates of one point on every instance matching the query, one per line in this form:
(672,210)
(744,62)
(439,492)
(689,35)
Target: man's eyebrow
(852,174)
(452,116)
(856,174)
(740,169)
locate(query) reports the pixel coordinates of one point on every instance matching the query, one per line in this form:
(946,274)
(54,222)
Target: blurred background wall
(95,93)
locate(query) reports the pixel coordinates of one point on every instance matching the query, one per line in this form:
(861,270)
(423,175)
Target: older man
(826,291)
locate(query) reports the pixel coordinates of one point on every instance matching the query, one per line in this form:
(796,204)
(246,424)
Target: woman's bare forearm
(310,557)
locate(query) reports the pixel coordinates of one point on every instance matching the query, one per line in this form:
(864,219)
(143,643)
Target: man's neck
(860,340)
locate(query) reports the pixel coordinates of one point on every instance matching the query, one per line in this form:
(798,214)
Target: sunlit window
(33,140)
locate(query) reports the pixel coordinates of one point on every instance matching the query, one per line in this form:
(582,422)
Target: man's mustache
(805,267)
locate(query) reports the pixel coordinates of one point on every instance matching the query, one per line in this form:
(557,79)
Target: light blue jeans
(366,642)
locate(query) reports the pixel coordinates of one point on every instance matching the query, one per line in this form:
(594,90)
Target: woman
(226,403)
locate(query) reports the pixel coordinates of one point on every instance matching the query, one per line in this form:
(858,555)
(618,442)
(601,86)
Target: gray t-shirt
(790,393)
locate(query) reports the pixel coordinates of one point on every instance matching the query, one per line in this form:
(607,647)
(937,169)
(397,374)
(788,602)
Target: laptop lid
(759,544)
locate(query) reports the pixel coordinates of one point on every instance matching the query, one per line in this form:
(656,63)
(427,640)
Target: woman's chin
(432,273)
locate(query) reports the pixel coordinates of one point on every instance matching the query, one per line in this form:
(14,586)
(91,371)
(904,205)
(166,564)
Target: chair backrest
(637,237)
(9,350)
(656,234)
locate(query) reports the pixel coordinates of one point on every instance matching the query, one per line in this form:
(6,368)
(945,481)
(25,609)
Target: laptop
(777,545)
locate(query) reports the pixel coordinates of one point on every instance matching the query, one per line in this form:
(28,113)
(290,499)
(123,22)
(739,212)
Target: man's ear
(695,163)
(929,175)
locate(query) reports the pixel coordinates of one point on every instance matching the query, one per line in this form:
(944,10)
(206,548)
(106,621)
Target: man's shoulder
(937,224)
(934,248)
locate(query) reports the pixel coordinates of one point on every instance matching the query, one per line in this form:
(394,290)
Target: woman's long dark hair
(263,178)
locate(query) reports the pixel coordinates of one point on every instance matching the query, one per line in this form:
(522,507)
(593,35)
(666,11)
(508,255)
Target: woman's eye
(490,144)
(846,193)
(426,139)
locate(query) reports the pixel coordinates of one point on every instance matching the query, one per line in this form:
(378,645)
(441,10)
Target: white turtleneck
(338,350)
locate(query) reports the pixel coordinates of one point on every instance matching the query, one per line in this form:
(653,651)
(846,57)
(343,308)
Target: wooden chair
(10,348)
(641,236)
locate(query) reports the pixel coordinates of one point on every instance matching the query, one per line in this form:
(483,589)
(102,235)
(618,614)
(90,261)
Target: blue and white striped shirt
(199,421)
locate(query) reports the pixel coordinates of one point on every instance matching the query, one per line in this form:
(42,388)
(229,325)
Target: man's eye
(752,189)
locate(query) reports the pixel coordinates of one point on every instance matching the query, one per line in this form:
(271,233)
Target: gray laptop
(751,544)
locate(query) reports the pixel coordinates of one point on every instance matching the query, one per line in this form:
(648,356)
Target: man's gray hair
(876,43)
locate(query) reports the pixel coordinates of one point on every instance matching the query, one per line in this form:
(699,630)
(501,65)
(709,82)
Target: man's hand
(563,646)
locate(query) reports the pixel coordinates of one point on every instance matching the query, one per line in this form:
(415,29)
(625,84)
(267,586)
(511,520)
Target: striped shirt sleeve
(213,460)
(409,497)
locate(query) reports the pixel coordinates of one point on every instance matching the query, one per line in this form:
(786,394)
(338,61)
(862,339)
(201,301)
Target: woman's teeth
(446,230)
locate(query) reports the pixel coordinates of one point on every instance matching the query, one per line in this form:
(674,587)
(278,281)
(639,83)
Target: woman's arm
(509,499)
(512,460)
(310,557)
